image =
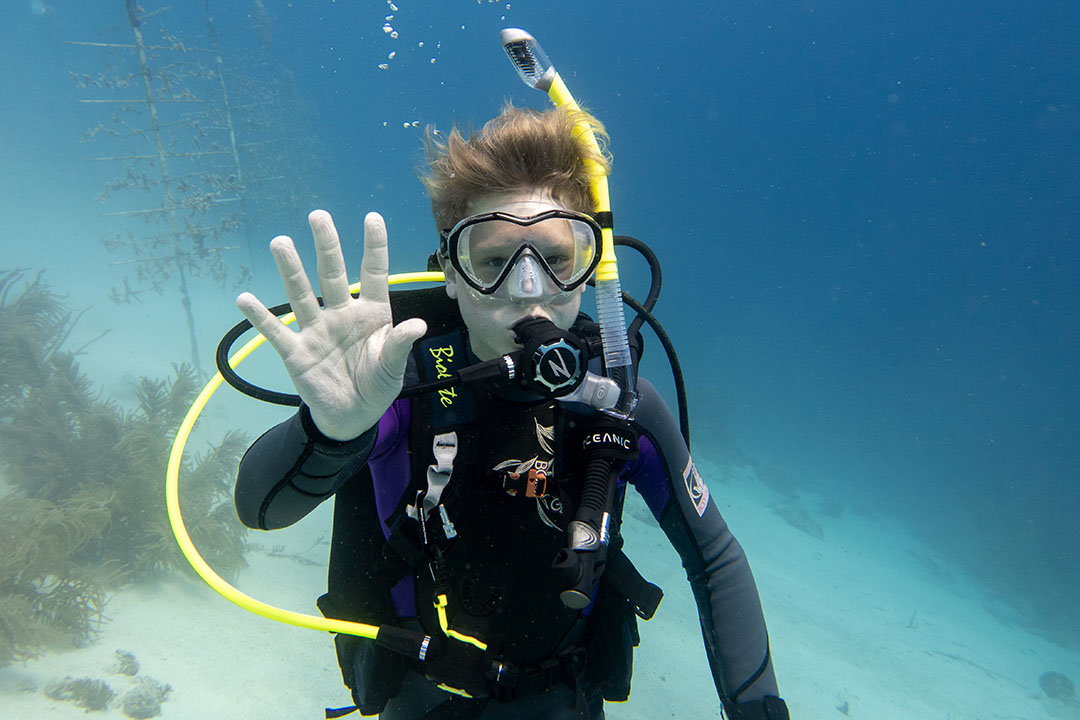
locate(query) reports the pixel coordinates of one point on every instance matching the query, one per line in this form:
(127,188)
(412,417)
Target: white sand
(859,621)
(857,618)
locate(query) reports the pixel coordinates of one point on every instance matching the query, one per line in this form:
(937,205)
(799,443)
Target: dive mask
(484,249)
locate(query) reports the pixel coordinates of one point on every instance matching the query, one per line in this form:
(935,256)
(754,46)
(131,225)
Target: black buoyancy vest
(506,502)
(505,509)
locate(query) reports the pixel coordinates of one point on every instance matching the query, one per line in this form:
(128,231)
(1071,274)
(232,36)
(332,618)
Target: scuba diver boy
(450,504)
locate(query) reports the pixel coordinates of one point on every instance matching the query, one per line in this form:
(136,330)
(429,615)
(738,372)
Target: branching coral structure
(84,509)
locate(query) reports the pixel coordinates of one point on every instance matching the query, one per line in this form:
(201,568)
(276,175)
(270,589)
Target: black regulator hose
(655,283)
(221,358)
(673,360)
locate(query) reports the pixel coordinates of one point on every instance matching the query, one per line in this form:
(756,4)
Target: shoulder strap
(434,418)
(433,305)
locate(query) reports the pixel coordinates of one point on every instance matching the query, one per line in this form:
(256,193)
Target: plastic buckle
(437,568)
(504,681)
(549,668)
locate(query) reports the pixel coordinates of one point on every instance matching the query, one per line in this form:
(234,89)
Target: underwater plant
(85,510)
(87,693)
(35,324)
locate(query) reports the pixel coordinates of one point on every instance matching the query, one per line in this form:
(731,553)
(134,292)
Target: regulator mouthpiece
(529,59)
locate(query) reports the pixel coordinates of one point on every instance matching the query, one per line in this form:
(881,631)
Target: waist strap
(567,667)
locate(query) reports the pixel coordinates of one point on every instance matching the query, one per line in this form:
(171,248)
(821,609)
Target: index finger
(375,267)
(281,338)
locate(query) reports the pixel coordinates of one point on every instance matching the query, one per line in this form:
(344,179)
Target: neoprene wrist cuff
(768,708)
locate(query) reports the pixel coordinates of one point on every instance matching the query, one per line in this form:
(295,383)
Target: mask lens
(565,246)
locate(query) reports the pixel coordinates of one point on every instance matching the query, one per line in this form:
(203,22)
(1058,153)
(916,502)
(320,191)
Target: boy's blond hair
(518,150)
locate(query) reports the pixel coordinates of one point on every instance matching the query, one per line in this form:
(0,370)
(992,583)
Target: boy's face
(490,318)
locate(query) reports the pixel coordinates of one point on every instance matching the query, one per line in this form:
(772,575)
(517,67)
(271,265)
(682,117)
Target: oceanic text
(608,439)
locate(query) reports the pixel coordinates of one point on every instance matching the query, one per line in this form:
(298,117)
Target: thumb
(399,342)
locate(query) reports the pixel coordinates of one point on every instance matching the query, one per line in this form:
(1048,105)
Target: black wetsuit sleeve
(292,468)
(729,608)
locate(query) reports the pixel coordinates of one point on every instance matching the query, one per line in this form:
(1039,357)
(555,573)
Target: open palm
(346,359)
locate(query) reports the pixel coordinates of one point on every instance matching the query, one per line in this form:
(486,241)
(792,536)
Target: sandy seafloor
(865,623)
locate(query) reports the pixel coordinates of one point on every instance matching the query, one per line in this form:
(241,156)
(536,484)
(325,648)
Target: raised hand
(346,359)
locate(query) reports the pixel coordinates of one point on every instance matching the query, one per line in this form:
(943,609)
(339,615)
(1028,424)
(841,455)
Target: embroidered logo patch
(444,358)
(695,487)
(531,474)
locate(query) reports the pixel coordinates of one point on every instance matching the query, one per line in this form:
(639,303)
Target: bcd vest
(482,517)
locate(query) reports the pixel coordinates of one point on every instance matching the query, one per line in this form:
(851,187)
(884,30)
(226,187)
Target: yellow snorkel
(536,71)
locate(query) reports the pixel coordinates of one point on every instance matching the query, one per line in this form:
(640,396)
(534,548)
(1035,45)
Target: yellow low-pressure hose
(537,71)
(176,520)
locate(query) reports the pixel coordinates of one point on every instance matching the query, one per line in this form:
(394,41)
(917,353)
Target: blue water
(867,213)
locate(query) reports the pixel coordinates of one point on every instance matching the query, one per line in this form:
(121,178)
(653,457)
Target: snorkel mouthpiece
(529,59)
